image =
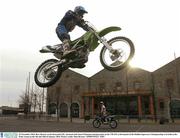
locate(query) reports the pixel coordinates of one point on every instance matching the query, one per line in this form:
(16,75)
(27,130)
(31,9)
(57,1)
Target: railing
(119,118)
(5,117)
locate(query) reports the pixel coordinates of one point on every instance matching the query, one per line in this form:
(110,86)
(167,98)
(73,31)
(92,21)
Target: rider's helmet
(101,102)
(80,10)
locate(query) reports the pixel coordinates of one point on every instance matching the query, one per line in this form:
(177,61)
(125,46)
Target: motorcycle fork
(104,42)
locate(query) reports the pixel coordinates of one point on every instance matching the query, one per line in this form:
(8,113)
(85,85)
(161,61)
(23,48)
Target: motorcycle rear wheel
(46,78)
(124,52)
(96,123)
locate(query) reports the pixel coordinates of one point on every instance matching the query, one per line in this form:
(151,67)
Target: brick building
(6,110)
(131,91)
(166,82)
(66,92)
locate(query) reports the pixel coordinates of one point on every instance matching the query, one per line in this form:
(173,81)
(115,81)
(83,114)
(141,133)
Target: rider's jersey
(70,20)
(103,110)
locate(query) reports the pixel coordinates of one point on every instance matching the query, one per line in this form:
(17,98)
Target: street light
(169,88)
(71,106)
(35,99)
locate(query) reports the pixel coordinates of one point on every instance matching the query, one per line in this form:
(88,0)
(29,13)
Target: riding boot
(66,48)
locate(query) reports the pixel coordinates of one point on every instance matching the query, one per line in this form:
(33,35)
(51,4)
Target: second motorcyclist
(103,112)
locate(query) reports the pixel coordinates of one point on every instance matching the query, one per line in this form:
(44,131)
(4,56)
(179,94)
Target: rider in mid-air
(67,24)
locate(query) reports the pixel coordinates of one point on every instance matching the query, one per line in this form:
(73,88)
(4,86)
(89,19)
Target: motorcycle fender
(102,33)
(97,118)
(108,30)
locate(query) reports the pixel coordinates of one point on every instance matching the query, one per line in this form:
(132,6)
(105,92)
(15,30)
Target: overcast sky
(27,25)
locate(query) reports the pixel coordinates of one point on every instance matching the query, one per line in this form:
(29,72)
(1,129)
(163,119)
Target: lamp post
(70,86)
(153,95)
(127,89)
(71,105)
(57,101)
(42,100)
(35,99)
(170,104)
(169,90)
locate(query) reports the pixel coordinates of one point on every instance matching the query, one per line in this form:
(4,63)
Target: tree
(33,99)
(24,101)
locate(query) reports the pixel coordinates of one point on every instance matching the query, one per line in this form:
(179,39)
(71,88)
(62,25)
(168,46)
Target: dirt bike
(109,120)
(115,54)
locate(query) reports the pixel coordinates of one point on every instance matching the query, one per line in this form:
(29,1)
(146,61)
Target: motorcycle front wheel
(113,123)
(123,52)
(96,123)
(46,77)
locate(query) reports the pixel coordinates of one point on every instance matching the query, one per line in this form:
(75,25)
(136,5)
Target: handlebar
(90,27)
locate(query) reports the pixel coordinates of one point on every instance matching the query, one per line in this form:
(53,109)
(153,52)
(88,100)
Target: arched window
(75,110)
(52,108)
(175,108)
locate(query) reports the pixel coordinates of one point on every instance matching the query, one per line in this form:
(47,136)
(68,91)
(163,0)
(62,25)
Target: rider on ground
(103,110)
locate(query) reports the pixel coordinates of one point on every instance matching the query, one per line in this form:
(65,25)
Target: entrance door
(120,105)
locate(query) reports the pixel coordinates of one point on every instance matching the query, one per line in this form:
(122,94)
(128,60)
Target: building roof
(10,108)
(177,60)
(77,73)
(135,68)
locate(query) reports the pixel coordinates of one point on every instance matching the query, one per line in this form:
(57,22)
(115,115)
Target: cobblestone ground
(14,125)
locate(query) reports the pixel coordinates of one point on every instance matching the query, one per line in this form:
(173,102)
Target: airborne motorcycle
(115,54)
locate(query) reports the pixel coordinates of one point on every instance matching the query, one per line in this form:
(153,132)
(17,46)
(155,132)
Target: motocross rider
(67,24)
(103,110)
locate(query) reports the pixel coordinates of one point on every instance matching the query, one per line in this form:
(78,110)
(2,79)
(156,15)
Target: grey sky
(26,26)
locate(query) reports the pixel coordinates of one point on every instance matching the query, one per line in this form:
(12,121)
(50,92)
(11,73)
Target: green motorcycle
(115,54)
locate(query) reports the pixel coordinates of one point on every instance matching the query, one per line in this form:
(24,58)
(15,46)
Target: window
(52,108)
(137,85)
(118,87)
(102,87)
(76,89)
(161,104)
(58,91)
(175,107)
(145,105)
(170,84)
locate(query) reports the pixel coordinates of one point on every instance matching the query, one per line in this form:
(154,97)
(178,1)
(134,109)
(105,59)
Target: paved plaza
(78,125)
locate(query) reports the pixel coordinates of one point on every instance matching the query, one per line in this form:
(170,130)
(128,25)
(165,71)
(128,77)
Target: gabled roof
(168,64)
(137,68)
(177,60)
(77,73)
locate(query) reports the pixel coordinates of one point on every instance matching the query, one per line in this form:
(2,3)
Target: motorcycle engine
(58,55)
(84,53)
